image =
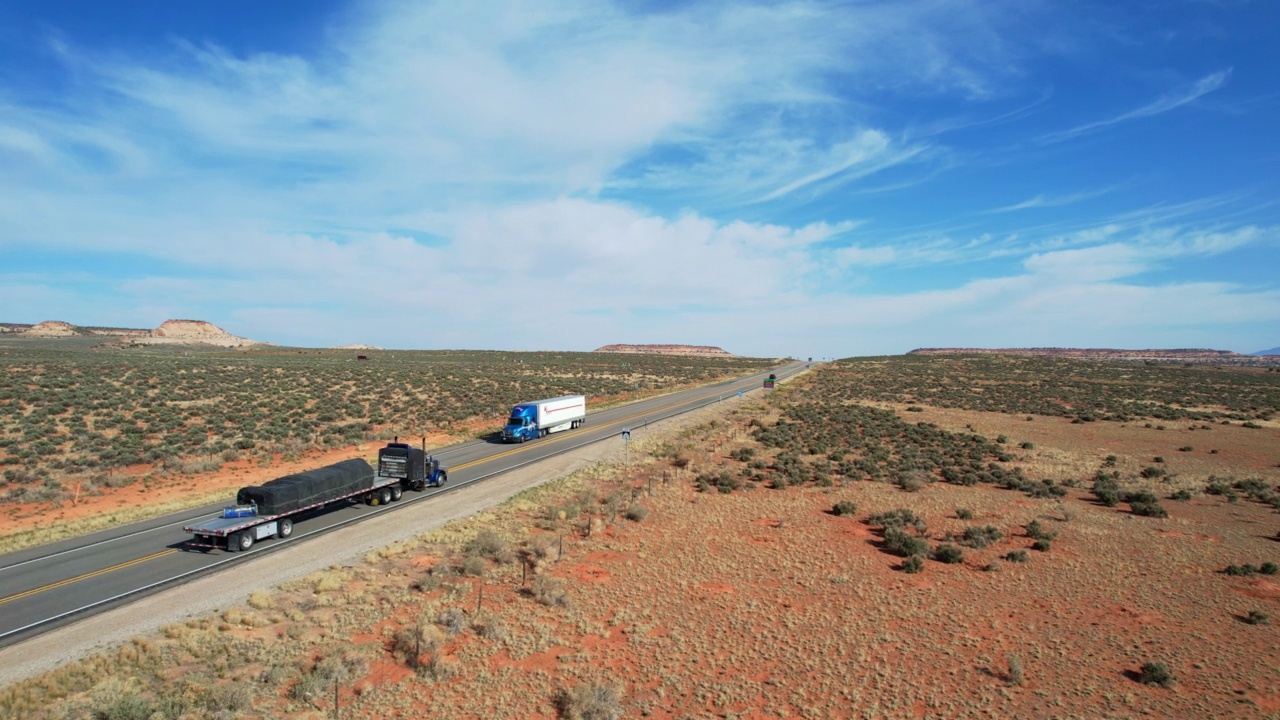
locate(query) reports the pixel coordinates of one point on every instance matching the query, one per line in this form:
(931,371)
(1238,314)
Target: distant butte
(1196,356)
(171,332)
(193,332)
(699,350)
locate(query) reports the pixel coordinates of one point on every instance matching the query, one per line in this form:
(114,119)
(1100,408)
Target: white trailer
(540,418)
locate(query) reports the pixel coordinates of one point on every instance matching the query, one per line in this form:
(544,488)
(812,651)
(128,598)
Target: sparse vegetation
(898,542)
(948,553)
(845,508)
(592,701)
(980,537)
(1155,673)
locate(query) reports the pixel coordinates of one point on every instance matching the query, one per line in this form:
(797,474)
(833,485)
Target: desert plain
(878,538)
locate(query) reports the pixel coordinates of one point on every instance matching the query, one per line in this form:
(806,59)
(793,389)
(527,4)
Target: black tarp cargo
(291,492)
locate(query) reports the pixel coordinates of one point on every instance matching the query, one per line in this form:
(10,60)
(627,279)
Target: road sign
(626,434)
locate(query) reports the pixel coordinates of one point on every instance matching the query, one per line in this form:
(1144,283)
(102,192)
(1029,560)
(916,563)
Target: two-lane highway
(42,588)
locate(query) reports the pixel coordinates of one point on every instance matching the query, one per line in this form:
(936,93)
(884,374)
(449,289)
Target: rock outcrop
(698,350)
(192,332)
(52,328)
(1195,356)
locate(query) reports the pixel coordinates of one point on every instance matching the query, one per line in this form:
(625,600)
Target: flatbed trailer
(239,532)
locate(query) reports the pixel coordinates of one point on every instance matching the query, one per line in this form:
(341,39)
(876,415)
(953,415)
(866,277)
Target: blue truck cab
(523,423)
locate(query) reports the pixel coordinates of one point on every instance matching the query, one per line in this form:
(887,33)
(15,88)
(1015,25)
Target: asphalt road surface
(48,586)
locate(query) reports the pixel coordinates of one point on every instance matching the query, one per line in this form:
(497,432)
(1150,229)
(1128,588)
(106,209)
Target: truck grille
(391,467)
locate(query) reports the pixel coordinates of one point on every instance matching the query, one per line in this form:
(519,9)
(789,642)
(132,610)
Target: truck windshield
(515,420)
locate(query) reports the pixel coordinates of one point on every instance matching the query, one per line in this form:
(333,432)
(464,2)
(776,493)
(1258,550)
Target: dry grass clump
(549,591)
(590,701)
(261,600)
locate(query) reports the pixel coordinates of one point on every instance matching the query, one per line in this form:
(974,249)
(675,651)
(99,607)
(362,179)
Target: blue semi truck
(540,418)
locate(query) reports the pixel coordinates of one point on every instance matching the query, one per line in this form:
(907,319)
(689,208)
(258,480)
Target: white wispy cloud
(1163,104)
(1050,201)
(292,194)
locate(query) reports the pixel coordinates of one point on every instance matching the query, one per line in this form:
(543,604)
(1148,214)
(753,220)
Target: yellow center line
(86,576)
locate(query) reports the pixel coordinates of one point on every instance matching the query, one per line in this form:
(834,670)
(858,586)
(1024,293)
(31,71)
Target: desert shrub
(1036,531)
(1155,673)
(1016,674)
(474,565)
(1027,445)
(1185,448)
(489,544)
(636,512)
(1183,494)
(234,698)
(1251,425)
(1106,487)
(1040,546)
(1268,568)
(948,553)
(1043,489)
(1152,472)
(1216,486)
(549,591)
(980,537)
(722,481)
(117,700)
(913,565)
(914,480)
(453,620)
(844,507)
(1245,570)
(743,454)
(1016,556)
(964,514)
(1146,505)
(590,702)
(1257,617)
(898,542)
(893,518)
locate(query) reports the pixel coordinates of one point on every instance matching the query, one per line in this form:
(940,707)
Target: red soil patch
(589,573)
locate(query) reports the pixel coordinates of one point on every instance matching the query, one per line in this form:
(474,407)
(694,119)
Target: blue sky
(809,179)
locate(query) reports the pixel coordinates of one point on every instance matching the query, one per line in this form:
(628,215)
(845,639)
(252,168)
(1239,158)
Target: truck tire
(397,492)
(444,477)
(243,540)
(384,496)
(284,528)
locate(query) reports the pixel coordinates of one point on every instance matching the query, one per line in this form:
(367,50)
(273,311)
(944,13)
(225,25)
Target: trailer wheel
(244,540)
(384,496)
(284,529)
(397,492)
